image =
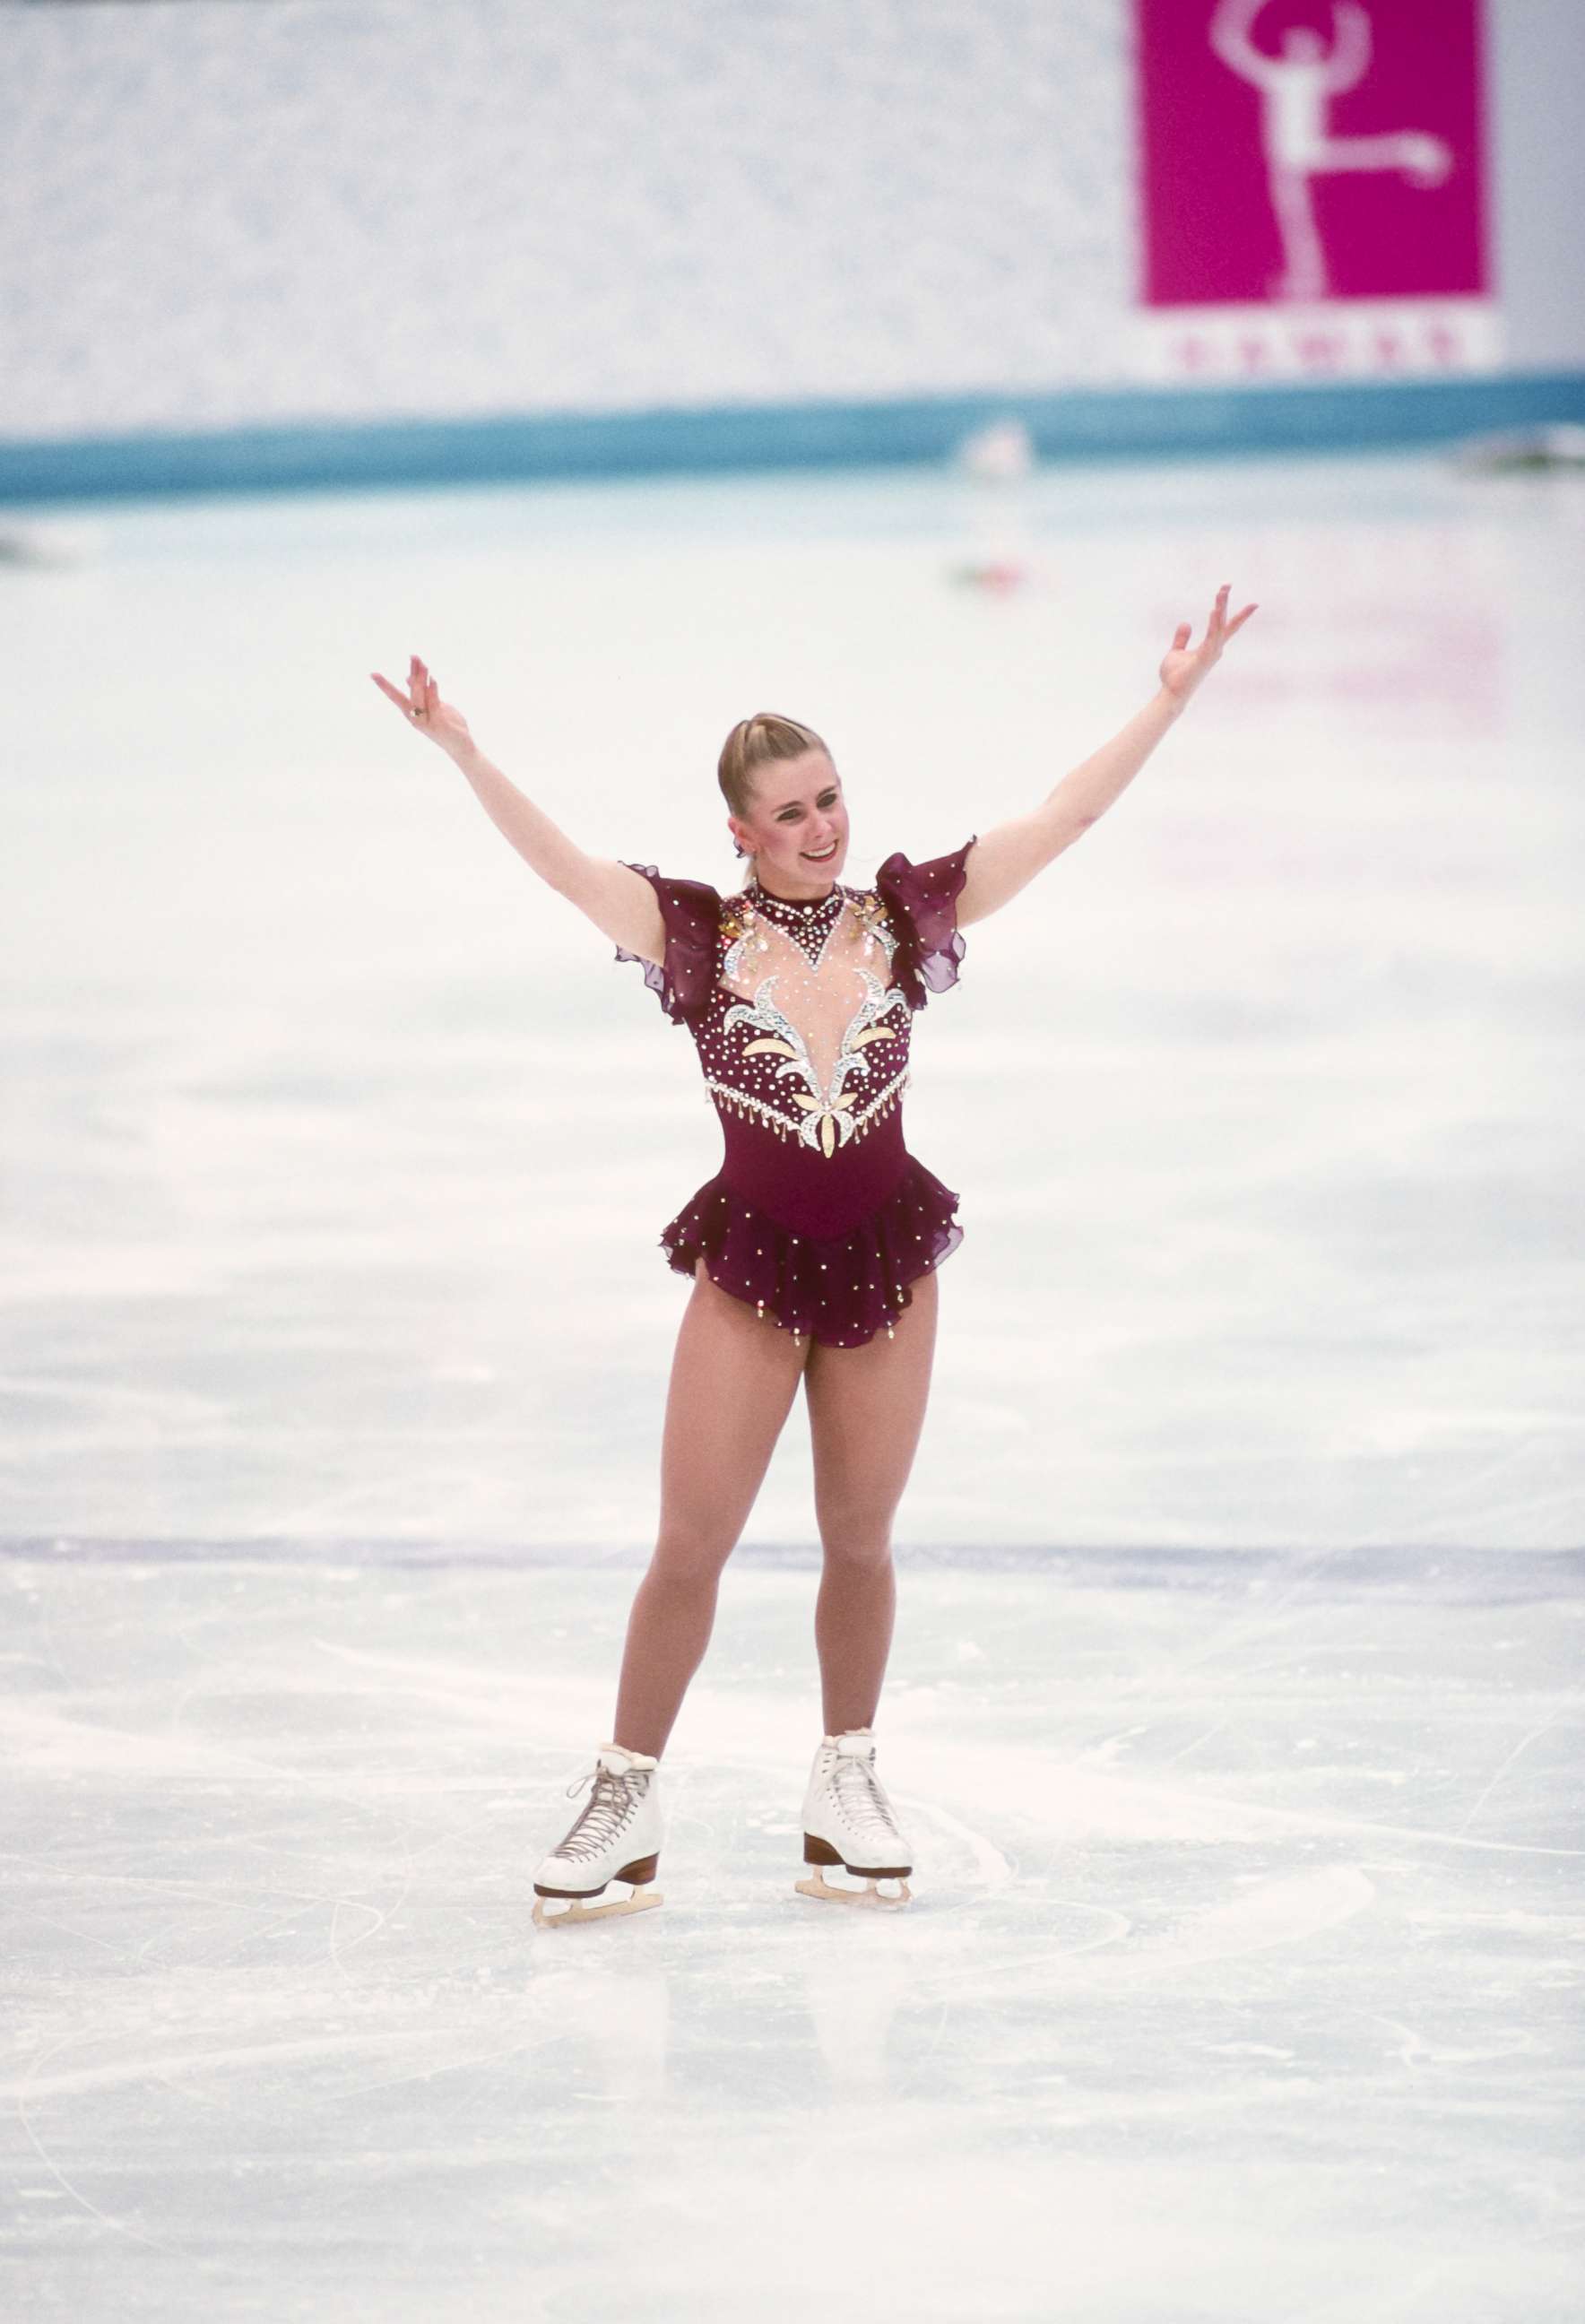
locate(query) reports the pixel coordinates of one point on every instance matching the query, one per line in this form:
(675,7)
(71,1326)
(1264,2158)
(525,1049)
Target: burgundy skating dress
(819,1217)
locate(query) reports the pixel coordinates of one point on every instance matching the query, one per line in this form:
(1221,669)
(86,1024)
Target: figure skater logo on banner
(1296,89)
(1312,180)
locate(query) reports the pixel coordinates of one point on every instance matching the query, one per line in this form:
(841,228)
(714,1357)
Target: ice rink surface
(1234,1706)
(1241,1980)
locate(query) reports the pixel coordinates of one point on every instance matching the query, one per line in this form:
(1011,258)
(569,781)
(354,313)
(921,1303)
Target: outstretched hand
(422,708)
(1181,671)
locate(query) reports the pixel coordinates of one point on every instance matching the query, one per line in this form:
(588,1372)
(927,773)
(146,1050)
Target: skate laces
(861,1798)
(604,1812)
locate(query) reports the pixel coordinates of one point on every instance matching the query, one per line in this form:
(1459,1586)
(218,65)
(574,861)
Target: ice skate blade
(642,1900)
(817,1884)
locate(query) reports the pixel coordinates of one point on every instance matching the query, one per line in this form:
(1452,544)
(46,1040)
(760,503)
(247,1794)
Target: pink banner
(1294,152)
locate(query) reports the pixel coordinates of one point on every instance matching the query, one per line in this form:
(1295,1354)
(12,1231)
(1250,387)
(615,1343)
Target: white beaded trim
(744,1103)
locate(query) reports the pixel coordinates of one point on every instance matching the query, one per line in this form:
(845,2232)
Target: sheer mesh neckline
(810,926)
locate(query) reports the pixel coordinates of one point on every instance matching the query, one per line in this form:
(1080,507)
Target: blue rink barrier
(1124,423)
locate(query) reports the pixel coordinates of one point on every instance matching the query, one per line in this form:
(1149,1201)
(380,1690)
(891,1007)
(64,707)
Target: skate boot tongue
(858,1746)
(618,1762)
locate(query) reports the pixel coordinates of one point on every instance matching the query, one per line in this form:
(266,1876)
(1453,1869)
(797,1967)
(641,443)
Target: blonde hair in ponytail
(754,743)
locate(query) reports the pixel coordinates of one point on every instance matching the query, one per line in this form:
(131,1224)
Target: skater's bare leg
(1304,269)
(866,1415)
(733,1379)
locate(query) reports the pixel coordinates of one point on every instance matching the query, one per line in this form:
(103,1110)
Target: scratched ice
(1235,1699)
(1242,1980)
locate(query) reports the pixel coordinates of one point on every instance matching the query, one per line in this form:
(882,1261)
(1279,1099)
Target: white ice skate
(617,1837)
(848,1820)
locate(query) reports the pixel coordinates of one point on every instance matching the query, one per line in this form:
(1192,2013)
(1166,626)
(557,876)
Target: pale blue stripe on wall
(1127,423)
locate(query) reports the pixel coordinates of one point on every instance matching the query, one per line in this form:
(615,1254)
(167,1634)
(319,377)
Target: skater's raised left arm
(1007,857)
(1349,61)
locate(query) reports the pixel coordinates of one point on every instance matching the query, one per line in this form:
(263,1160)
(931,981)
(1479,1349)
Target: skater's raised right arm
(1231,35)
(620,902)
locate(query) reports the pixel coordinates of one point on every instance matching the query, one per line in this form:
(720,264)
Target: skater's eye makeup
(827,799)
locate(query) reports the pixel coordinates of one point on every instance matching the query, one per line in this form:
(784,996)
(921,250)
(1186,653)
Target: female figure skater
(813,1251)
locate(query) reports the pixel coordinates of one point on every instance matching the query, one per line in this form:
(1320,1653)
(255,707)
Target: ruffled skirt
(840,1292)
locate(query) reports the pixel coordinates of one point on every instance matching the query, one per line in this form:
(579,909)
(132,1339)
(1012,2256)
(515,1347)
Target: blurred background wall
(246,214)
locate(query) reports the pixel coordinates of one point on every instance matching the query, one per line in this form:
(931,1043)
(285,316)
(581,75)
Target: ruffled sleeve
(684,980)
(921,903)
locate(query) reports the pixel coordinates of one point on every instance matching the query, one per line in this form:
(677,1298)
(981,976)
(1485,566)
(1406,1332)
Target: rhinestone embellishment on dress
(809,924)
(807,982)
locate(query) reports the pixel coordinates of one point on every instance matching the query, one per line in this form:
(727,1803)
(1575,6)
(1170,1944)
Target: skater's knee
(688,1557)
(856,1543)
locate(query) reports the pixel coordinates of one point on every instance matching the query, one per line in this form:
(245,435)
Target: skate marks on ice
(1007,1889)
(1091,1942)
(959,1867)
(282,1899)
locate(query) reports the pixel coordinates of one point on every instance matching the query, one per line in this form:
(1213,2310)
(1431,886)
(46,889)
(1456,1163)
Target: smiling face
(798,811)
